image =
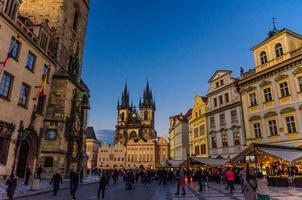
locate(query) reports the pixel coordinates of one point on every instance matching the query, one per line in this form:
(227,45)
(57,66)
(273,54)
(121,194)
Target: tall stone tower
(134,125)
(63,141)
(147,110)
(68,21)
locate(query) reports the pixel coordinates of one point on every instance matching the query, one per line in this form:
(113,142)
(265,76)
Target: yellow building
(198,139)
(172,144)
(22,109)
(271,93)
(92,148)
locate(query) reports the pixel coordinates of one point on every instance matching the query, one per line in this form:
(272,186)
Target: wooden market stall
(281,164)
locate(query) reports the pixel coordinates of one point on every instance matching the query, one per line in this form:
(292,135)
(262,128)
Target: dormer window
(278,50)
(44,41)
(12,8)
(263,57)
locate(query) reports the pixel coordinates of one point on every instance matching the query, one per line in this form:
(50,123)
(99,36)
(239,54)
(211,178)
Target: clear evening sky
(176,44)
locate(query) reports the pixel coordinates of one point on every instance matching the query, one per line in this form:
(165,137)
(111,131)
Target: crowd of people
(254,185)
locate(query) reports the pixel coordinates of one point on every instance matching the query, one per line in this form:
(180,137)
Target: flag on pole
(42,92)
(8,56)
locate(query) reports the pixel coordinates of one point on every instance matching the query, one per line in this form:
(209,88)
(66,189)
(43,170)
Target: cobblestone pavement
(167,192)
(23,190)
(217,191)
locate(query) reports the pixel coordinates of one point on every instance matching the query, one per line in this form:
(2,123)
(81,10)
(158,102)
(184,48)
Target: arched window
(146,115)
(263,57)
(278,50)
(122,116)
(133,135)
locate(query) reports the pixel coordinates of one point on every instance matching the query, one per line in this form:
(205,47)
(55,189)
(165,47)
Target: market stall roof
(210,162)
(290,154)
(174,163)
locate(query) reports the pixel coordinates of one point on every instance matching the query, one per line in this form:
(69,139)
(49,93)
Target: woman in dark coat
(102,185)
(12,185)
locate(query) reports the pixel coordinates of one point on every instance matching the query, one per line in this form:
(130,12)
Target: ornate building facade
(271,92)
(224,116)
(111,156)
(198,137)
(133,124)
(45,38)
(179,136)
(135,131)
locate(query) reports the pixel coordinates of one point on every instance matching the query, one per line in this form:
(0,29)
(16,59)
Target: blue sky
(176,44)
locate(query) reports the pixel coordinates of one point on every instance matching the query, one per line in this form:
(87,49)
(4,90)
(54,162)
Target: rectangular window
(6,85)
(234,116)
(40,104)
(237,138)
(290,123)
(201,130)
(300,83)
(221,83)
(214,142)
(257,130)
(203,149)
(14,48)
(217,84)
(273,127)
(226,96)
(267,95)
(24,94)
(196,132)
(212,122)
(196,150)
(253,100)
(222,119)
(224,140)
(220,100)
(215,102)
(284,89)
(45,72)
(31,61)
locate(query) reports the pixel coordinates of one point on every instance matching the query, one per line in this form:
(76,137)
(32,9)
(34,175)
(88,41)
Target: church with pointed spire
(135,123)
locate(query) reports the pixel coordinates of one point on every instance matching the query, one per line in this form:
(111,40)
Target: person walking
(27,175)
(181,182)
(102,185)
(242,176)
(56,181)
(39,172)
(74,182)
(198,177)
(230,177)
(249,187)
(11,186)
(262,187)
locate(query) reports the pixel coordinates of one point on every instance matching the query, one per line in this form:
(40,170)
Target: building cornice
(274,70)
(218,110)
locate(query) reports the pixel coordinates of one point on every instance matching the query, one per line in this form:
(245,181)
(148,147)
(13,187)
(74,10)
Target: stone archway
(27,154)
(22,159)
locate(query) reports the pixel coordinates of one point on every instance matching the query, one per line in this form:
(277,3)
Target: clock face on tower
(51,134)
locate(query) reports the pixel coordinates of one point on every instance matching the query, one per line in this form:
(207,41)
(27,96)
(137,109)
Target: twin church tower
(133,124)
